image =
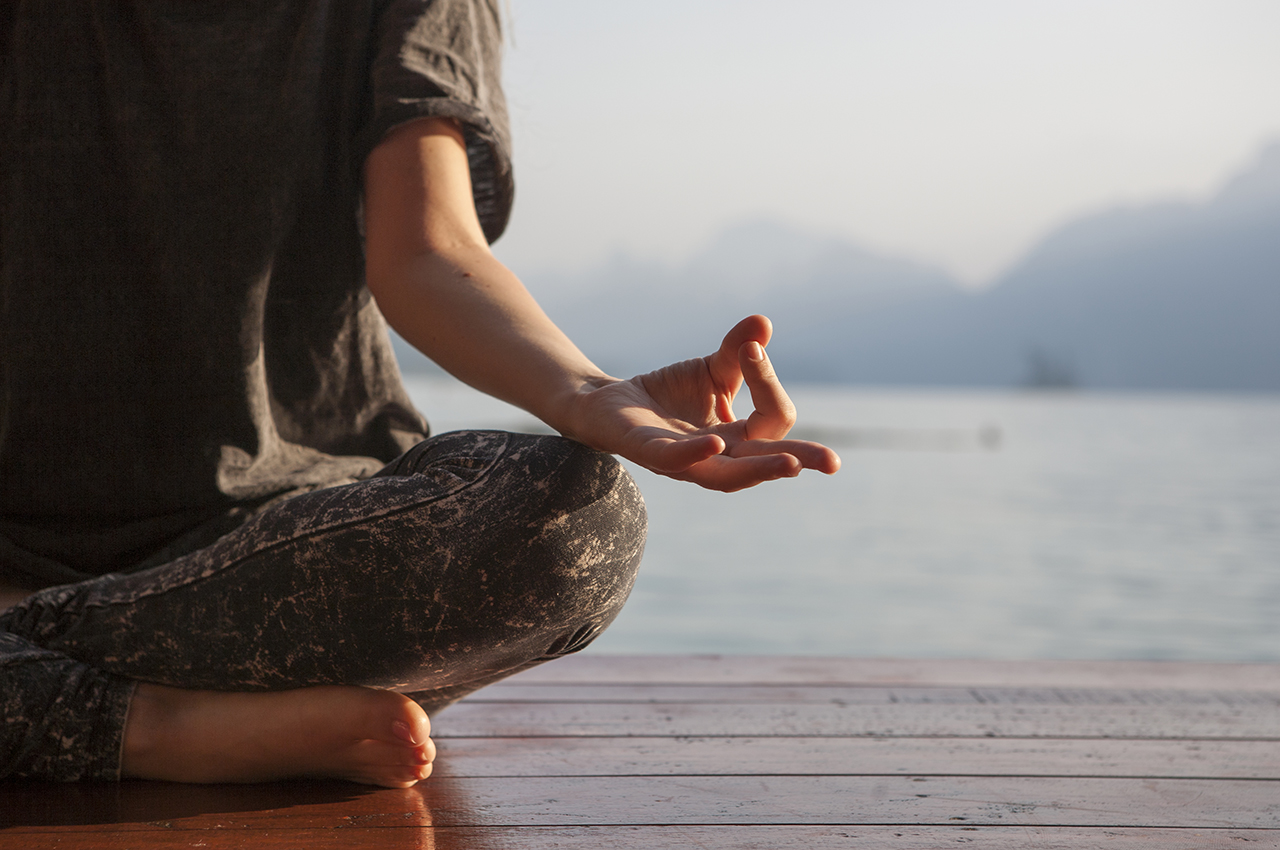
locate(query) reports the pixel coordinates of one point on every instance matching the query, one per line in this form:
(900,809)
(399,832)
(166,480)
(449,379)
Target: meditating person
(229,548)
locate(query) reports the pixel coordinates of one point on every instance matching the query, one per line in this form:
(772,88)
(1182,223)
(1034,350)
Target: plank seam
(1126,776)
(694,736)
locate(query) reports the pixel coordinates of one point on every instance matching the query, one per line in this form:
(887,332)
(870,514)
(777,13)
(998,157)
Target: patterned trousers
(473,556)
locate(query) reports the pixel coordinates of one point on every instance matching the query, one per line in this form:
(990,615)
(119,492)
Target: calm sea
(969,524)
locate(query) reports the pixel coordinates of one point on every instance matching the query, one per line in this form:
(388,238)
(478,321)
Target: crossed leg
(287,648)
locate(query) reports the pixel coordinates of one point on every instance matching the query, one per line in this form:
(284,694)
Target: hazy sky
(953,132)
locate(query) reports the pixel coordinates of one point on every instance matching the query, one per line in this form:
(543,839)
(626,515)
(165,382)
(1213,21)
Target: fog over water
(970,524)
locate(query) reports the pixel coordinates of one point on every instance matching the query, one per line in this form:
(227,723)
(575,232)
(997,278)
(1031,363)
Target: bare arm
(435,280)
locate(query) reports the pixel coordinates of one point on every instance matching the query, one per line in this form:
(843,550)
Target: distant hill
(1172,296)
(1178,296)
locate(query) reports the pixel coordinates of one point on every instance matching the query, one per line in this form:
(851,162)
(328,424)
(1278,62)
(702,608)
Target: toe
(395,718)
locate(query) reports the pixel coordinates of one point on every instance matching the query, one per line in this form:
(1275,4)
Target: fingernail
(403,731)
(755,352)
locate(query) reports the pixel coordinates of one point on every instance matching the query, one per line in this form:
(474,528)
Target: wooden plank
(857,756)
(600,668)
(477,719)
(658,837)
(749,800)
(866,695)
(138,803)
(789,753)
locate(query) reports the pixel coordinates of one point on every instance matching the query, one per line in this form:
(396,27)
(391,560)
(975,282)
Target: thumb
(726,370)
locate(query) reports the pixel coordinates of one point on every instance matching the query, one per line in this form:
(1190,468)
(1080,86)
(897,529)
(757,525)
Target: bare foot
(370,736)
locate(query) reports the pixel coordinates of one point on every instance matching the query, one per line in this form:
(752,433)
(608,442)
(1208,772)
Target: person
(229,548)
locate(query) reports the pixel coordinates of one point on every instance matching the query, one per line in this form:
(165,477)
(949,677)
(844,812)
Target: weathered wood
(774,670)
(780,753)
(659,838)
(746,800)
(662,756)
(135,804)
(476,719)
(868,695)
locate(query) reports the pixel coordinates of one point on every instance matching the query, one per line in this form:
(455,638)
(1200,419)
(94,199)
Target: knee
(528,549)
(592,520)
(586,528)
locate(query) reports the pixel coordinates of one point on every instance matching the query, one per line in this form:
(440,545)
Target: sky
(953,133)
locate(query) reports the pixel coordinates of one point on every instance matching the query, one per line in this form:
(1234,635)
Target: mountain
(1176,296)
(802,282)
(1169,296)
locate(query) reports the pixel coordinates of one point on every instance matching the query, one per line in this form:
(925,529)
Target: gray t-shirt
(184,329)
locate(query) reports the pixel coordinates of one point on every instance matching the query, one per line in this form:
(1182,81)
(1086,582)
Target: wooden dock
(622,753)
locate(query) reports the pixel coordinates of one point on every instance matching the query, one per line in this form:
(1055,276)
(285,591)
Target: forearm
(470,314)
(434,278)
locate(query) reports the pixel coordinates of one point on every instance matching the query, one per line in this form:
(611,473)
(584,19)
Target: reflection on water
(979,524)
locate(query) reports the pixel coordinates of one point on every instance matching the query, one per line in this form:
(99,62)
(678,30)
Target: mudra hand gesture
(679,421)
(431,271)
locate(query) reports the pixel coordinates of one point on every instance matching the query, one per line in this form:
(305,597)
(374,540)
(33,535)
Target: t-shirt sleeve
(444,58)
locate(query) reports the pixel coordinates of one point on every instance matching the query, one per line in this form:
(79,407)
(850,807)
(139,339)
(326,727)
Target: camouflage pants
(472,556)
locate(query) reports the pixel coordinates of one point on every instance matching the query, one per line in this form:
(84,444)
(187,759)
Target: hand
(679,421)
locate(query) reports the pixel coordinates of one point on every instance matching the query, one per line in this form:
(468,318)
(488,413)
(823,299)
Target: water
(970,524)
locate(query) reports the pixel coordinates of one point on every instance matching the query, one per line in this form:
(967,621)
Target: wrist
(570,411)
